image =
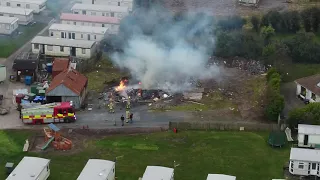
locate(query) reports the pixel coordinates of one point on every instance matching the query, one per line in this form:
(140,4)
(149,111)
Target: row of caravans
(25,16)
(35,168)
(124,3)
(100,10)
(305,160)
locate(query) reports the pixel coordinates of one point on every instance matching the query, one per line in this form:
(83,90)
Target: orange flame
(121,86)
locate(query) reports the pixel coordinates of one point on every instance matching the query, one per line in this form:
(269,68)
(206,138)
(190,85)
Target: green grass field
(243,154)
(8,45)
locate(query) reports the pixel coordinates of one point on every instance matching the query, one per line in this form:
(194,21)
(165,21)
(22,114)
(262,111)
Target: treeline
(275,101)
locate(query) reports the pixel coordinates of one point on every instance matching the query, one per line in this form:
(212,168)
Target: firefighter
(127,115)
(128,106)
(111,106)
(122,120)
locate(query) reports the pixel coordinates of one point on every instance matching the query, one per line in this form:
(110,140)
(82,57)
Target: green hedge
(310,114)
(275,101)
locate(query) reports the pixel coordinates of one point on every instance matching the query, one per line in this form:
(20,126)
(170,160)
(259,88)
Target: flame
(121,86)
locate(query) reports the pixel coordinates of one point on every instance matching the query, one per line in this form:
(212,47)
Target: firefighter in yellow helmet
(128,106)
(111,106)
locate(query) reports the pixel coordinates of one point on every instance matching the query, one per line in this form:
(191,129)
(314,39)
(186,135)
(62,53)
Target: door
(73,35)
(313,170)
(306,139)
(69,35)
(73,51)
(88,37)
(42,49)
(92,1)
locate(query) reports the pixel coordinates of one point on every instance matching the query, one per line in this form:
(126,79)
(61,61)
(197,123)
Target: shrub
(310,114)
(255,21)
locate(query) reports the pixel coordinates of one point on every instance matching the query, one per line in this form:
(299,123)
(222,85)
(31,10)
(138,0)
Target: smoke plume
(164,51)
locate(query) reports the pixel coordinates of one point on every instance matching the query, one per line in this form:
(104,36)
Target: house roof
(62,42)
(220,177)
(310,83)
(99,7)
(71,79)
(88,18)
(8,20)
(81,29)
(60,64)
(308,129)
(96,169)
(157,173)
(25,64)
(19,11)
(29,168)
(302,154)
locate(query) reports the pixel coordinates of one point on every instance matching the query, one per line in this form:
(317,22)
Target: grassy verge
(197,153)
(8,45)
(103,72)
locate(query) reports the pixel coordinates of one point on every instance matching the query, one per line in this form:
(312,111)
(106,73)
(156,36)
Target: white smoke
(171,54)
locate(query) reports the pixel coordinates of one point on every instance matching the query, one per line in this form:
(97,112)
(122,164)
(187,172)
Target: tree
(275,20)
(274,106)
(291,21)
(267,32)
(306,19)
(310,114)
(255,21)
(315,18)
(231,23)
(271,72)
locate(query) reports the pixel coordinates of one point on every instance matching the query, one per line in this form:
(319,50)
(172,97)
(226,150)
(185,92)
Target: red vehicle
(49,113)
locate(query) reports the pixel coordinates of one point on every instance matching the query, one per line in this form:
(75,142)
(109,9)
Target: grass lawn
(242,154)
(8,45)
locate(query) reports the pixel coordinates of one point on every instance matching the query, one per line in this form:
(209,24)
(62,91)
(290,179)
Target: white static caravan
(68,31)
(63,47)
(8,24)
(100,10)
(31,168)
(98,169)
(25,16)
(158,173)
(124,3)
(304,162)
(111,23)
(220,177)
(36,5)
(308,136)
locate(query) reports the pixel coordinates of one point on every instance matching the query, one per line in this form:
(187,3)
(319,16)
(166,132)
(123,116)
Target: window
(47,168)
(81,35)
(112,14)
(73,35)
(7,26)
(76,12)
(113,169)
(103,14)
(301,165)
(62,35)
(61,49)
(49,48)
(36,46)
(70,110)
(93,13)
(84,12)
(314,166)
(118,3)
(1,14)
(28,6)
(95,36)
(8,4)
(18,5)
(103,25)
(51,34)
(83,51)
(11,15)
(74,23)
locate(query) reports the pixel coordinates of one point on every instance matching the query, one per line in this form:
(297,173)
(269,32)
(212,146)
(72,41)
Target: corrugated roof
(102,8)
(310,83)
(62,42)
(81,29)
(157,173)
(96,169)
(303,154)
(71,79)
(308,129)
(19,11)
(88,18)
(29,168)
(60,64)
(8,20)
(220,177)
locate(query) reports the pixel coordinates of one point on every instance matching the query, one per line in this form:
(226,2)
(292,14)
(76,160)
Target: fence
(223,126)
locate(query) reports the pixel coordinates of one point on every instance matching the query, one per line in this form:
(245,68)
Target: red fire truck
(49,113)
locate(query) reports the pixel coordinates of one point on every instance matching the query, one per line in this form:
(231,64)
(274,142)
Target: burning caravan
(158,173)
(98,169)
(31,168)
(220,177)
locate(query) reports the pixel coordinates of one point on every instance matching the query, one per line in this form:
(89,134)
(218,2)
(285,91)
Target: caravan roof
(82,29)
(301,154)
(88,18)
(62,42)
(19,11)
(158,173)
(29,168)
(220,177)
(96,169)
(308,129)
(31,1)
(8,20)
(103,8)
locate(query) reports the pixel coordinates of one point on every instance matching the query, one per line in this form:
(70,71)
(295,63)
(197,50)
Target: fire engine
(49,113)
